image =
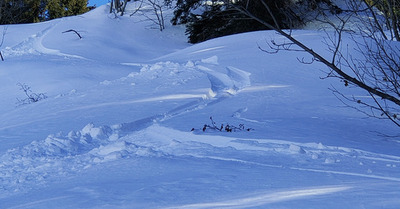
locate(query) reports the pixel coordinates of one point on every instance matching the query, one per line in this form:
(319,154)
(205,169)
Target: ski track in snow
(33,45)
(37,202)
(66,154)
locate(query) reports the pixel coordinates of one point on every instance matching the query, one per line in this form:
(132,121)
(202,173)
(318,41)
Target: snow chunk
(110,148)
(211,60)
(391,165)
(132,74)
(329,160)
(229,82)
(296,149)
(321,146)
(220,82)
(113,151)
(240,78)
(189,64)
(105,82)
(96,132)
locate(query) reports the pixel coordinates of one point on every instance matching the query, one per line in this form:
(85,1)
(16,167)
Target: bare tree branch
(72,30)
(378,72)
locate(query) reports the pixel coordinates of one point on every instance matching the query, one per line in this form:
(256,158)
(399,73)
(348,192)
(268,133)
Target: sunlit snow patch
(267,198)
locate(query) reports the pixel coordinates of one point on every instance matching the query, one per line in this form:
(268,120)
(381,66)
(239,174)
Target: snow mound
(64,154)
(296,149)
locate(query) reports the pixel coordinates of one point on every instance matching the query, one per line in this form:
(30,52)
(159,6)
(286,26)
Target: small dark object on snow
(226,128)
(72,30)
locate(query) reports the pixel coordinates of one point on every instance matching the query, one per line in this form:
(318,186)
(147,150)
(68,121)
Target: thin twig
(72,30)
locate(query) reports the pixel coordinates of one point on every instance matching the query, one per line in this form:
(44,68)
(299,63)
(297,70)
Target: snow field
(115,130)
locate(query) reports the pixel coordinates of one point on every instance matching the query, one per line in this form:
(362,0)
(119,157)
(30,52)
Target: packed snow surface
(133,115)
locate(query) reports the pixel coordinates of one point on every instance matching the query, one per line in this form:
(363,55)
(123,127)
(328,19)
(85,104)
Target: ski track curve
(33,45)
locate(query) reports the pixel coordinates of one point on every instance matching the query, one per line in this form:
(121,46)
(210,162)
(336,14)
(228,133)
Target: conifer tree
(55,9)
(29,11)
(220,18)
(75,7)
(215,18)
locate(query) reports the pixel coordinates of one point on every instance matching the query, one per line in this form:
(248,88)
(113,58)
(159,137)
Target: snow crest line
(208,49)
(348,174)
(301,169)
(26,205)
(268,198)
(326,157)
(152,99)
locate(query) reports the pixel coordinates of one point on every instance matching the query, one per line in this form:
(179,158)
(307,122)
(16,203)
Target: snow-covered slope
(122,126)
